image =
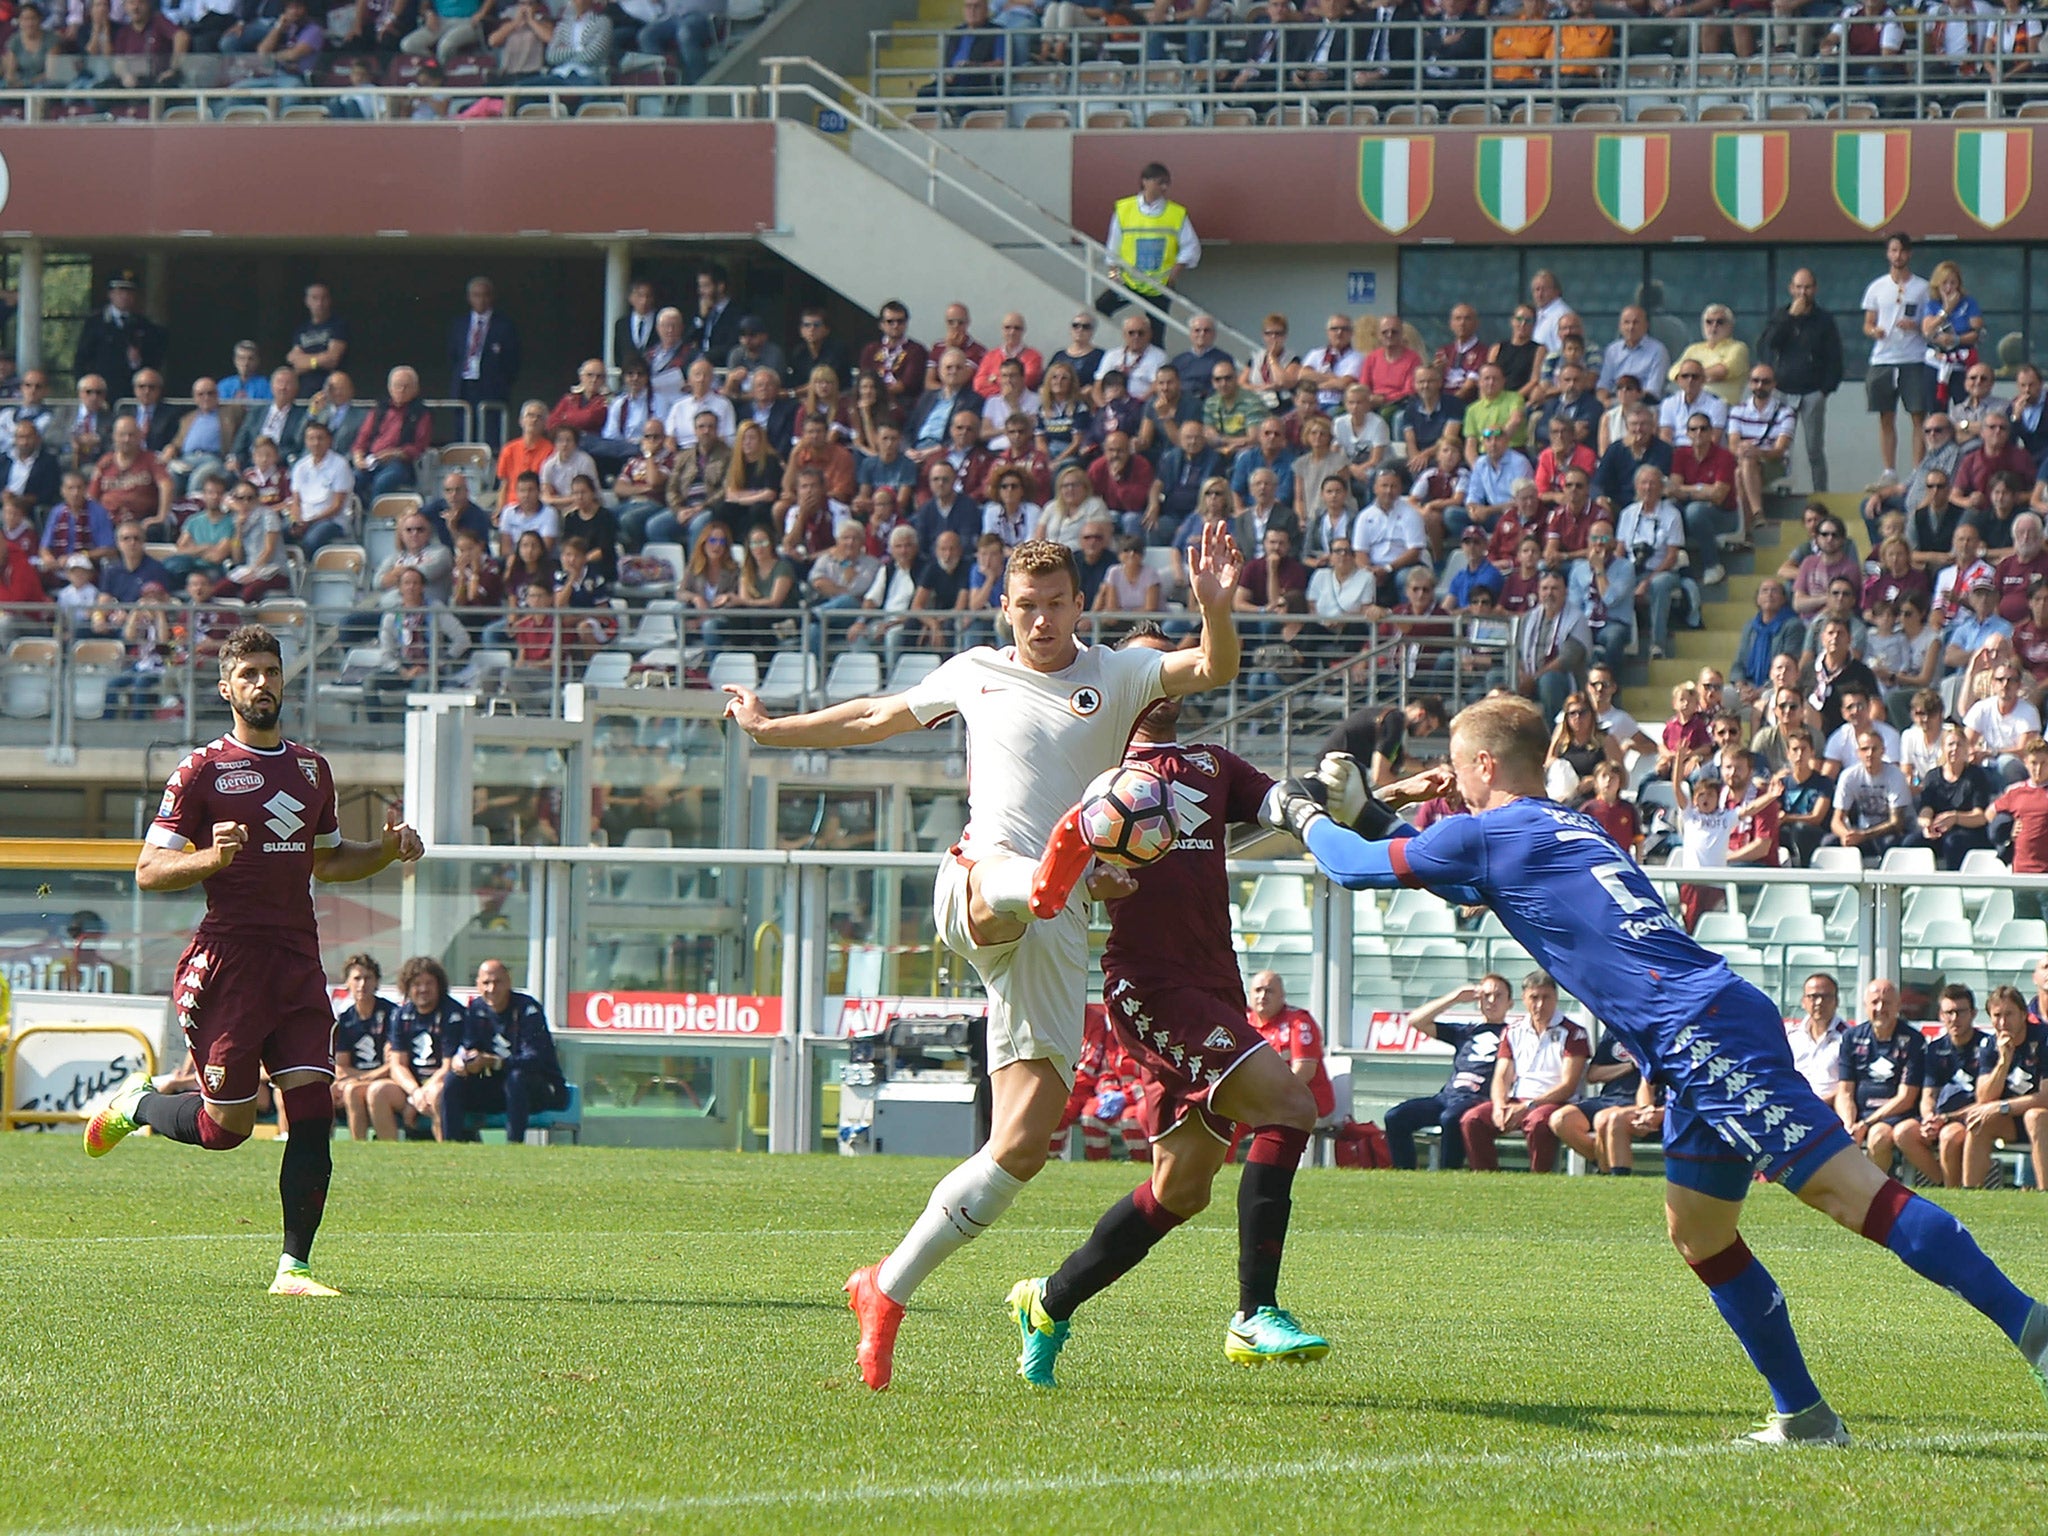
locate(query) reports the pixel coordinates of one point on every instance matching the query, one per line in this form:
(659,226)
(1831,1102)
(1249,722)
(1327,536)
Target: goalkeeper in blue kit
(1737,1106)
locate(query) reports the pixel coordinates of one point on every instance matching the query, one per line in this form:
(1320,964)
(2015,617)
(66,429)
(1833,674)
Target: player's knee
(308,1102)
(1021,1161)
(1294,1106)
(1180,1189)
(217,1137)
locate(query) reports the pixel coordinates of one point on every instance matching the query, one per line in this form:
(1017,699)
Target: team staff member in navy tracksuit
(1587,914)
(507,1061)
(427,1032)
(363,1085)
(1476,1047)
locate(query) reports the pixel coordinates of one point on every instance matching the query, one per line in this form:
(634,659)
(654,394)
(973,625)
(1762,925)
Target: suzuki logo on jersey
(1188,812)
(1085,700)
(2019,1082)
(285,821)
(1883,1070)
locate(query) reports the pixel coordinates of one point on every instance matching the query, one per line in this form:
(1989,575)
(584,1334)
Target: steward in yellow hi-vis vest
(1150,241)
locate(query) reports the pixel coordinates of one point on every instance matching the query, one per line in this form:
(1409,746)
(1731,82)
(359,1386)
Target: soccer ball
(1127,816)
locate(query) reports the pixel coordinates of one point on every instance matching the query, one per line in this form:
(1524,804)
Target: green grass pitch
(613,1341)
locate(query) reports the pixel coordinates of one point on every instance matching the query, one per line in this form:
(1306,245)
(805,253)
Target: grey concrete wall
(834,32)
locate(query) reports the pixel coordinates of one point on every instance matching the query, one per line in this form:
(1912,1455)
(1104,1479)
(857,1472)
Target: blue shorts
(1737,1105)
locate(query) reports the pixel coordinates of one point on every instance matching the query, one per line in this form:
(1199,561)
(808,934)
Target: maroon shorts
(241,1005)
(1185,1041)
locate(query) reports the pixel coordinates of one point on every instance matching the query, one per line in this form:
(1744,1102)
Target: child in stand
(78,597)
(1686,730)
(1705,825)
(1615,814)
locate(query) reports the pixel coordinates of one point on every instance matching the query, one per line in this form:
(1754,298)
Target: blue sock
(1755,1310)
(1937,1247)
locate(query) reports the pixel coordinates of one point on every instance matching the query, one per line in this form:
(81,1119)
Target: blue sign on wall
(831,120)
(1361,287)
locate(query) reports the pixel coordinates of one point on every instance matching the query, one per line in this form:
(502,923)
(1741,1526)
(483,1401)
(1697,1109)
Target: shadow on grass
(1577,1418)
(586,1299)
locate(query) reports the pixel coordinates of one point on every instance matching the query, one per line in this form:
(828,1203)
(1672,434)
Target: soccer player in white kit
(1044,716)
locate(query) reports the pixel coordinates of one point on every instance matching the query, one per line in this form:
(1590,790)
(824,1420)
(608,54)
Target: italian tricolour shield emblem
(1396,179)
(1752,176)
(1873,167)
(1994,173)
(1512,172)
(1632,177)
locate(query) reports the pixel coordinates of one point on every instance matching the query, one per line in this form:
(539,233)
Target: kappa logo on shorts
(215,1076)
(238,781)
(1220,1039)
(1085,701)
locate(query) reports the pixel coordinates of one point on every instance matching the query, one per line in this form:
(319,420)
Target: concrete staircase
(910,52)
(1729,605)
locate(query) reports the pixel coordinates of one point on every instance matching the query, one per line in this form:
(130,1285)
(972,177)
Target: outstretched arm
(851,724)
(1214,565)
(1433,863)
(358,861)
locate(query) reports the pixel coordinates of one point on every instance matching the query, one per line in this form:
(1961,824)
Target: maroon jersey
(1176,925)
(286,800)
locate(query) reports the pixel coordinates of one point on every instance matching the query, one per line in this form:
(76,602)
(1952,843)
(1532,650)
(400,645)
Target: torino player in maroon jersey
(1174,995)
(252,816)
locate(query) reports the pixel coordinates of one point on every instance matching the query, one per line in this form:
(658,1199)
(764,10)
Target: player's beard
(258,714)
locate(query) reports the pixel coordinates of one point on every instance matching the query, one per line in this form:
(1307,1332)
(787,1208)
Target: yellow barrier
(69,853)
(10,1117)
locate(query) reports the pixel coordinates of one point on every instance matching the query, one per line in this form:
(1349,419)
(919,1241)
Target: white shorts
(1037,983)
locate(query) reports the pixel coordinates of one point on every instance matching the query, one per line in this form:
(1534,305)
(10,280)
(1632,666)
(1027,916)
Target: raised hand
(401,843)
(1214,565)
(744,710)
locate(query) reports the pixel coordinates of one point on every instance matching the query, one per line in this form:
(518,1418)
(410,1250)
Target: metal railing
(60,691)
(1348,956)
(274,98)
(940,168)
(1182,75)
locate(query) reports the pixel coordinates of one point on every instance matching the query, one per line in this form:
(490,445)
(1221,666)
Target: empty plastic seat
(1931,904)
(1775,902)
(735,667)
(1716,929)
(854,675)
(28,679)
(1274,893)
(912,668)
(1908,861)
(608,669)
(791,674)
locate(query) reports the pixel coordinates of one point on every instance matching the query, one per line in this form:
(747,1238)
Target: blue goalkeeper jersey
(1569,895)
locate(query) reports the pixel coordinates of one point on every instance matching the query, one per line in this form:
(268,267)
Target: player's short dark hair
(362,963)
(2009,995)
(1144,629)
(418,966)
(1432,705)
(249,640)
(1152,170)
(1042,557)
(1956,992)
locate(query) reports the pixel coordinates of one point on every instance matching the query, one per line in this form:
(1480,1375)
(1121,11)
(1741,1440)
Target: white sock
(1006,884)
(967,1200)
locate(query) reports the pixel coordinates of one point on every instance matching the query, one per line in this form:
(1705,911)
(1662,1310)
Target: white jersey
(1036,739)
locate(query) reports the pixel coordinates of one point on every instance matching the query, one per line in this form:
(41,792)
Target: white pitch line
(954,1490)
